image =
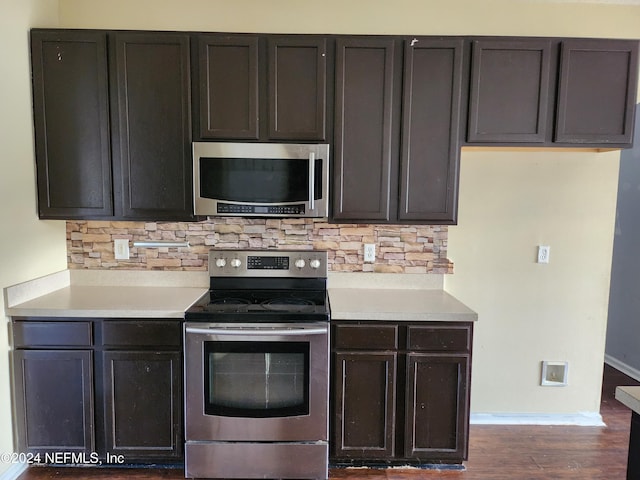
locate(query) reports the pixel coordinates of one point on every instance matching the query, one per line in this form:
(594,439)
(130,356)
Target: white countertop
(131,294)
(397,304)
(630,397)
(110,301)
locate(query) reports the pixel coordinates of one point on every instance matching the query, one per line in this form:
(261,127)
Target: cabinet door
(297,87)
(509,98)
(54,400)
(366,149)
(365,403)
(143,404)
(430,138)
(228,86)
(71,122)
(152,125)
(436,406)
(597,92)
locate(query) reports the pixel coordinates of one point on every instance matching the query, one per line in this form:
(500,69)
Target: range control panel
(268,263)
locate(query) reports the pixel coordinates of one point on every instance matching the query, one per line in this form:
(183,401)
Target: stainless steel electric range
(257,367)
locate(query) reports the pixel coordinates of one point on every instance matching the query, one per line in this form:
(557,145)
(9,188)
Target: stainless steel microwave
(261,179)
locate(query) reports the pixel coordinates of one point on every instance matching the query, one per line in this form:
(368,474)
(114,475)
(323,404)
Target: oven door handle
(257,331)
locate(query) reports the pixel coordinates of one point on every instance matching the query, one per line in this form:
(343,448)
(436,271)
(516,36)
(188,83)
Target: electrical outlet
(370,252)
(543,253)
(121,248)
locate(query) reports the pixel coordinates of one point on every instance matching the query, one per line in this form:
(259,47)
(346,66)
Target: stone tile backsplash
(399,248)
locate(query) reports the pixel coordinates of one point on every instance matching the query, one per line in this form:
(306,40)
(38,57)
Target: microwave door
(261,180)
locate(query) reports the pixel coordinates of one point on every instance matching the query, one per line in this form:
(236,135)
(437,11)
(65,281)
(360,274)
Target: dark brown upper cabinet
(112,125)
(71,123)
(553,92)
(396,150)
(261,87)
(597,92)
(509,98)
(297,87)
(228,86)
(366,129)
(151,114)
(430,153)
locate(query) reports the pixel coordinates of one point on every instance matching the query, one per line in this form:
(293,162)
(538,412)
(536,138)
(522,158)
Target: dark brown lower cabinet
(99,387)
(54,400)
(400,392)
(143,414)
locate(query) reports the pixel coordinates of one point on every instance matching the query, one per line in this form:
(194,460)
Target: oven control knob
(235,263)
(315,263)
(220,262)
(300,263)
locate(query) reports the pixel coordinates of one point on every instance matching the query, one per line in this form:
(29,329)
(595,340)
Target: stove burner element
(230,301)
(288,304)
(288,301)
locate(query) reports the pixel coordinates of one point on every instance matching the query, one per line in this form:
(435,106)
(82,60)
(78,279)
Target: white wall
(529,312)
(509,202)
(28,247)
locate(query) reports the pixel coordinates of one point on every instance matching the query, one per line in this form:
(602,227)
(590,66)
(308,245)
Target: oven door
(256,382)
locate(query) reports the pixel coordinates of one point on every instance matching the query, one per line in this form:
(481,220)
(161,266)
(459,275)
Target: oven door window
(258,180)
(256,379)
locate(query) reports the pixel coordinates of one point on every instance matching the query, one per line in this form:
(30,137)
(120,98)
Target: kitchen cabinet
(597,92)
(400,392)
(366,128)
(142,380)
(151,112)
(71,123)
(552,92)
(112,124)
(396,152)
(54,400)
(259,87)
(510,90)
(105,386)
(431,104)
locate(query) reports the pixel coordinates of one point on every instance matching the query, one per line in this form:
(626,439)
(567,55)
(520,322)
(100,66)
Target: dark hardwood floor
(495,453)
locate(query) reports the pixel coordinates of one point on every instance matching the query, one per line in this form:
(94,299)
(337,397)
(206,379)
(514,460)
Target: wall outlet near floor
(121,248)
(370,252)
(554,374)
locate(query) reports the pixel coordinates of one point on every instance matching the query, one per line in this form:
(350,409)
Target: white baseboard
(14,471)
(585,419)
(623,367)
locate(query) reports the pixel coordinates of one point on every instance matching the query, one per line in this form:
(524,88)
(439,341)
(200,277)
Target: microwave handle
(312,180)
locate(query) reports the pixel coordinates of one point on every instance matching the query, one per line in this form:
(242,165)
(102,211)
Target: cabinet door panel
(436,421)
(364,420)
(71,121)
(228,86)
(509,99)
(152,147)
(430,146)
(297,88)
(597,91)
(143,404)
(364,154)
(54,400)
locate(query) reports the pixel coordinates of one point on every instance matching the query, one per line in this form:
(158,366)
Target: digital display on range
(267,263)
